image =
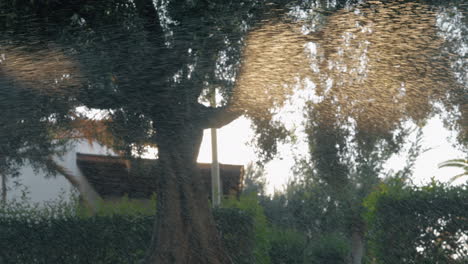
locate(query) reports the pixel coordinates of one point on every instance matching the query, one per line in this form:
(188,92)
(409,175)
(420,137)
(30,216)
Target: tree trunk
(90,197)
(357,247)
(185,231)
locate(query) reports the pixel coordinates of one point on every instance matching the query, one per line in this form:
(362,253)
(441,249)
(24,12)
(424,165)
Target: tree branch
(216,117)
(87,193)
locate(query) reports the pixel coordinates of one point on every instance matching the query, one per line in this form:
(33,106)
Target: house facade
(38,187)
(113,177)
(98,173)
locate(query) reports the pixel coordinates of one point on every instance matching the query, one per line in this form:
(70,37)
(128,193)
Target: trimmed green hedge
(261,235)
(418,224)
(287,246)
(64,238)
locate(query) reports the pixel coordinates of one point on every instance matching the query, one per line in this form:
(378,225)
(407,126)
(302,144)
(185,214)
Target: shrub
(261,241)
(122,206)
(287,246)
(329,249)
(32,234)
(418,224)
(102,239)
(237,230)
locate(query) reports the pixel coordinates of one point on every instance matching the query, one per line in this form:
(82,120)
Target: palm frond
(456,163)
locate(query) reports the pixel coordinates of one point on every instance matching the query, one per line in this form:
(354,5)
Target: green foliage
(123,206)
(456,163)
(254,179)
(57,233)
(237,229)
(274,242)
(332,248)
(104,239)
(249,204)
(24,208)
(417,224)
(287,246)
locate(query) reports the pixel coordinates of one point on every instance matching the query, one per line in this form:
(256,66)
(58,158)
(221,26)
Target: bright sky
(233,148)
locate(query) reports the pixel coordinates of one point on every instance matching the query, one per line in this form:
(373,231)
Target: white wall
(41,188)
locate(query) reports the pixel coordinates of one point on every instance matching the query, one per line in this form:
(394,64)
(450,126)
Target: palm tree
(458,163)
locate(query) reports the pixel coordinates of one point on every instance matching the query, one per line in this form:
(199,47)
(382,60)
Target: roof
(113,176)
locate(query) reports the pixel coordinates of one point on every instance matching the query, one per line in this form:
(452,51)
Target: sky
(234,148)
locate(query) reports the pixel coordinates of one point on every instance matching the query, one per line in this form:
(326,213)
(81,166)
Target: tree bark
(90,197)
(357,247)
(185,231)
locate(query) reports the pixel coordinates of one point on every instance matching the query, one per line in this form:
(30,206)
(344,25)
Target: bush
(287,246)
(329,249)
(123,206)
(418,224)
(261,241)
(57,234)
(102,239)
(237,230)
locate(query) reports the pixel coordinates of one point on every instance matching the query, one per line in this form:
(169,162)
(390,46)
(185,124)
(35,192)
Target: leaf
(456,163)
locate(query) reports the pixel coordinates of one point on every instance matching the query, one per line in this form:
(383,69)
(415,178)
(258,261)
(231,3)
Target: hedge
(418,224)
(66,238)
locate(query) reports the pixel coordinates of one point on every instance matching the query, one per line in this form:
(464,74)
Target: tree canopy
(151,65)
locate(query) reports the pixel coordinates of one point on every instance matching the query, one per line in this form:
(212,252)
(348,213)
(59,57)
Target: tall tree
(149,64)
(377,68)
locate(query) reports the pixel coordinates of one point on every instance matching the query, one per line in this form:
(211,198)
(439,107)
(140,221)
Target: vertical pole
(4,188)
(215,179)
